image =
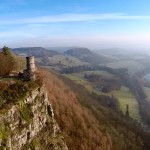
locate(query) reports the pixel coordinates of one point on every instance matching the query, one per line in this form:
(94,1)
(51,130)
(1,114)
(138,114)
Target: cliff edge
(29,123)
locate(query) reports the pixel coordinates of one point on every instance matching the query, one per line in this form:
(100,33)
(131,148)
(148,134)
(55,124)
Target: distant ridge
(84,54)
(36,51)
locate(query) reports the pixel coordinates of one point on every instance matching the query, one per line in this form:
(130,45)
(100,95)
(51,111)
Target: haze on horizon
(86,23)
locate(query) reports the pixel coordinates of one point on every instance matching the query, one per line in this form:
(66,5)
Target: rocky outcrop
(30,124)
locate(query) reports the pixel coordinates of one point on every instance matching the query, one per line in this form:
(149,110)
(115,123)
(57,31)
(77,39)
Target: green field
(79,78)
(99,72)
(66,61)
(147,92)
(123,95)
(132,65)
(80,75)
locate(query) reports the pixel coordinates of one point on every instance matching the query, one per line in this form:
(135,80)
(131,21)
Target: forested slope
(89,121)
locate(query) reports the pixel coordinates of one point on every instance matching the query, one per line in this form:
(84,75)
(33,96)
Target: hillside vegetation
(90,121)
(122,93)
(86,55)
(9,62)
(35,51)
(80,128)
(132,66)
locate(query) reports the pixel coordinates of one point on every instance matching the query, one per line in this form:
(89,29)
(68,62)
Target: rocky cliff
(30,124)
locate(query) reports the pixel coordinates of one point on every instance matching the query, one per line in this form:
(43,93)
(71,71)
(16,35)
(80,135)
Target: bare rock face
(30,124)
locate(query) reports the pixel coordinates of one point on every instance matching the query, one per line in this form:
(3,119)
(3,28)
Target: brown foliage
(19,63)
(85,122)
(3,85)
(81,130)
(6,64)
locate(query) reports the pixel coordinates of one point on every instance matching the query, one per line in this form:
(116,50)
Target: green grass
(66,60)
(125,97)
(73,77)
(3,132)
(78,78)
(9,79)
(147,92)
(25,111)
(132,65)
(99,72)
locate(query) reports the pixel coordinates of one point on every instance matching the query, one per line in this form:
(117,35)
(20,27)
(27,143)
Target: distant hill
(59,49)
(36,51)
(48,57)
(86,55)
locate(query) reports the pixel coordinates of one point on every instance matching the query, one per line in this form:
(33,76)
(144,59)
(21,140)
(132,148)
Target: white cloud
(107,41)
(73,18)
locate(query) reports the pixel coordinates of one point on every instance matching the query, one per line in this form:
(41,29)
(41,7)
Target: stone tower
(30,63)
(29,72)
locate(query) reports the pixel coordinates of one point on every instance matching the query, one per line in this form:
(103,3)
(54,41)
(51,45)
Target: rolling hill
(49,58)
(88,121)
(35,51)
(86,55)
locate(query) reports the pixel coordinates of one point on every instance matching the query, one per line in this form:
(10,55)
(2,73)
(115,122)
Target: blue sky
(93,24)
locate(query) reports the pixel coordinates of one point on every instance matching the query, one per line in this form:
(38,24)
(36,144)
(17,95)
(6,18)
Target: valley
(113,93)
(112,68)
(123,94)
(74,75)
(131,90)
(106,73)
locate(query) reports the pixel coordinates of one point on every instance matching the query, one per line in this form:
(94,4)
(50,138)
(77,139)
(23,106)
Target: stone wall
(22,125)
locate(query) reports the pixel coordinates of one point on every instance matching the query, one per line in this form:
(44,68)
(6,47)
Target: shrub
(25,111)
(3,85)
(16,91)
(33,144)
(3,134)
(6,64)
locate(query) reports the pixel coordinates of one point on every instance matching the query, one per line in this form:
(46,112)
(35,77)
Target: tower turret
(30,63)
(29,73)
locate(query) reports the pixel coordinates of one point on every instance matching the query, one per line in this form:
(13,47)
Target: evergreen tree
(127,110)
(6,51)
(7,61)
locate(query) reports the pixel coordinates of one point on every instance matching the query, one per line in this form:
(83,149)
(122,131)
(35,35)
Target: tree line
(9,62)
